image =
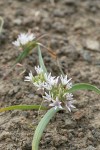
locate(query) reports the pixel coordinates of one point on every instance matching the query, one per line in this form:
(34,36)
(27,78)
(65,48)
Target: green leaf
(84,86)
(26,51)
(1,24)
(41,126)
(41,62)
(23,107)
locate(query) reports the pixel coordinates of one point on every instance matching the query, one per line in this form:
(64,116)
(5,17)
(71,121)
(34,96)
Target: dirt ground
(73,32)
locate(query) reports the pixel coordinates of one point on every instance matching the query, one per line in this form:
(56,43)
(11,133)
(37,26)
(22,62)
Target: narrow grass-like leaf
(23,107)
(84,86)
(41,62)
(26,52)
(1,24)
(41,126)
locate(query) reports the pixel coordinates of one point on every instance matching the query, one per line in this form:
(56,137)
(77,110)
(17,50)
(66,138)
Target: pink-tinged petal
(70,105)
(56,104)
(48,97)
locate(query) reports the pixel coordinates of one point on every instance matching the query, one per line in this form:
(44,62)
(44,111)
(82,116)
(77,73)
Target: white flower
(57,81)
(64,80)
(23,39)
(56,104)
(69,96)
(47,86)
(39,70)
(39,85)
(50,81)
(70,105)
(69,85)
(30,77)
(48,97)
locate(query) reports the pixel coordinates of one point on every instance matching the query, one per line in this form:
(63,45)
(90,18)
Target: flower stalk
(55,91)
(41,127)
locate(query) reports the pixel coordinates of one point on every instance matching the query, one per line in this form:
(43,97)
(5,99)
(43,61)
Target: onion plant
(56,91)
(1,24)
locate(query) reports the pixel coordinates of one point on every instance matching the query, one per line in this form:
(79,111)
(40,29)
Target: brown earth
(73,32)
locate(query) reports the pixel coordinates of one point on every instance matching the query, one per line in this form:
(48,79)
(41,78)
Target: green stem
(83,86)
(41,126)
(1,24)
(41,62)
(22,107)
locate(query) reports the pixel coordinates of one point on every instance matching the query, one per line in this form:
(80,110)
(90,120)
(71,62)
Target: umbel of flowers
(53,89)
(24,39)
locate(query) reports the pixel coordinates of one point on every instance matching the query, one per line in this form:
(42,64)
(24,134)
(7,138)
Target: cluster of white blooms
(54,88)
(23,39)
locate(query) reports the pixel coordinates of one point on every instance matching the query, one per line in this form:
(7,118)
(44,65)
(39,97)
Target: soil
(73,32)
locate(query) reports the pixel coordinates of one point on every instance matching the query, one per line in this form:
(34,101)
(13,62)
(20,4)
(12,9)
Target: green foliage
(41,126)
(23,107)
(50,113)
(84,86)
(1,24)
(45,120)
(26,52)
(41,62)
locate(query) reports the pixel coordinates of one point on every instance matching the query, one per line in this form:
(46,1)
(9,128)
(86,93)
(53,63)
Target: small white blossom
(57,81)
(30,77)
(52,87)
(64,80)
(23,39)
(38,70)
(69,96)
(70,105)
(47,86)
(69,85)
(56,104)
(48,97)
(39,85)
(49,79)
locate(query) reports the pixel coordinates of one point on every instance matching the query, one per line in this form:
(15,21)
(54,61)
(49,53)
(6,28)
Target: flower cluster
(23,39)
(54,89)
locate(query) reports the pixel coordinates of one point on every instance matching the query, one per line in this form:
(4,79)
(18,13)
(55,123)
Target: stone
(90,147)
(14,90)
(4,135)
(58,13)
(58,27)
(86,56)
(92,44)
(69,2)
(79,115)
(17,22)
(69,123)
